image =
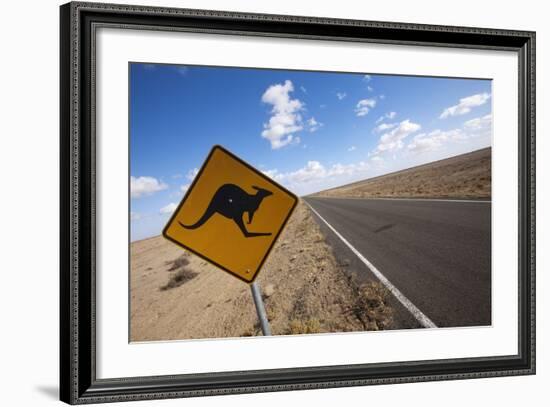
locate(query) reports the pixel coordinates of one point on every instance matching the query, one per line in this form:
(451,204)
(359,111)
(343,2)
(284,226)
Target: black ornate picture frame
(78,381)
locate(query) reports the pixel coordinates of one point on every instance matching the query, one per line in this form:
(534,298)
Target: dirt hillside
(176,295)
(463,176)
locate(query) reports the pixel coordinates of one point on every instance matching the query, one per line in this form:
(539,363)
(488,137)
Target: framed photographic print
(255,203)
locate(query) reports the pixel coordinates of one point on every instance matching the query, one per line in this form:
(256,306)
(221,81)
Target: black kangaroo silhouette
(232,202)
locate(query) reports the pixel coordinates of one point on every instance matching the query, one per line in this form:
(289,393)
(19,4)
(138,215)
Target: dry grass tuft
(309,326)
(180,262)
(182,273)
(250,332)
(179,278)
(371,306)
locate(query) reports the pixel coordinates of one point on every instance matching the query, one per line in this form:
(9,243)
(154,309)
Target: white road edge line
(419,315)
(405,199)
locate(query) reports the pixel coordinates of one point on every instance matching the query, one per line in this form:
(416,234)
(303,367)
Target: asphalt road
(437,253)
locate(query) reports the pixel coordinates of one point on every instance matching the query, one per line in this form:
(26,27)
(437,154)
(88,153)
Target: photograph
(255,201)
(291,202)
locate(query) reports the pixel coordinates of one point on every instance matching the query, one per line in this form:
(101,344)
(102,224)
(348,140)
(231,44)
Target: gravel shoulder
(176,295)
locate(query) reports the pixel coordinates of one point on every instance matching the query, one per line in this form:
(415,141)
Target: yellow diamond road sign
(231,215)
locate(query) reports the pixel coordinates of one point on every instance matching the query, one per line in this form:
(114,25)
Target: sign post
(231,216)
(260,309)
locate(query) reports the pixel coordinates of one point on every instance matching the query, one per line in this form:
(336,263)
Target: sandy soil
(176,295)
(464,176)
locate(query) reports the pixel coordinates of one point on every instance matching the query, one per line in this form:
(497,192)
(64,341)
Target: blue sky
(307,130)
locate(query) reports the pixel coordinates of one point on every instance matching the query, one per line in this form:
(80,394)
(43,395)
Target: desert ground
(177,295)
(306,288)
(463,176)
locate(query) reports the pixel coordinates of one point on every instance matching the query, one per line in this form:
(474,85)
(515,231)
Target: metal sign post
(260,309)
(231,216)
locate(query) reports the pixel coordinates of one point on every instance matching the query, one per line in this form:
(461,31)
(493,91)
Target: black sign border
(188,193)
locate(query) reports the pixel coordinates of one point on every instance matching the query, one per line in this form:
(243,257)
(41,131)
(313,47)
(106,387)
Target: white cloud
(382,97)
(475,133)
(370,88)
(135,216)
(465,105)
(313,170)
(303,89)
(479,123)
(433,141)
(400,146)
(367,78)
(384,126)
(168,209)
(314,173)
(347,169)
(285,119)
(363,106)
(144,186)
(191,174)
(389,115)
(271,173)
(314,176)
(393,140)
(341,95)
(313,124)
